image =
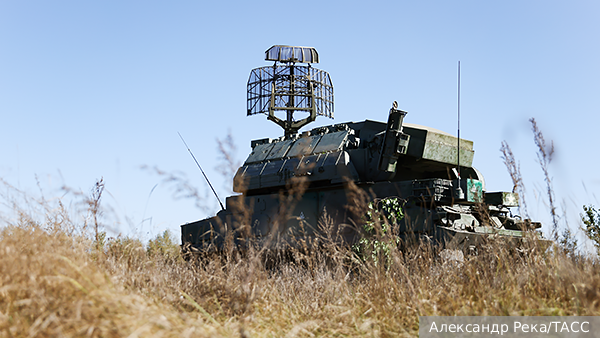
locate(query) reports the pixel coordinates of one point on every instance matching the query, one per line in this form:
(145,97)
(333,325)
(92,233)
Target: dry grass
(544,155)
(59,278)
(56,283)
(514,170)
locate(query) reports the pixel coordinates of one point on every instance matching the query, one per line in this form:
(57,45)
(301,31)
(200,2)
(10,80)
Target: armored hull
(319,182)
(290,186)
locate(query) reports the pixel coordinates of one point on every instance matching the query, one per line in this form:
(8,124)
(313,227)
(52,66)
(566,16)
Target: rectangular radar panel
(304,146)
(280,149)
(331,142)
(259,153)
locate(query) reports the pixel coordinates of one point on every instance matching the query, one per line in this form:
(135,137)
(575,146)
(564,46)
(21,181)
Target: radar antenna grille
(289,88)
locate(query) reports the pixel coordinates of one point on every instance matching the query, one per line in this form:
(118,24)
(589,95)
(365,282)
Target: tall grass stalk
(94,208)
(514,170)
(544,155)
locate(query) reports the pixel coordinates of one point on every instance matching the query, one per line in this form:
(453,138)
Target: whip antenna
(458,150)
(459,192)
(198,164)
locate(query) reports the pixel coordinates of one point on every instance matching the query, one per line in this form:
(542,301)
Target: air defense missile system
(288,185)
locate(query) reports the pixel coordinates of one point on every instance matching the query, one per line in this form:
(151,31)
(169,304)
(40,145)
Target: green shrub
(378,240)
(591,221)
(163,245)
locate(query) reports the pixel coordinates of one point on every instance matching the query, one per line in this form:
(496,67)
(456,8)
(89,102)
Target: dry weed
(55,282)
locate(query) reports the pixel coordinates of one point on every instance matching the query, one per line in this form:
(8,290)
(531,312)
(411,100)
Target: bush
(591,221)
(378,240)
(163,245)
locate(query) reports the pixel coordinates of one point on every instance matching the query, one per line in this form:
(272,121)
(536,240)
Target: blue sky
(100,89)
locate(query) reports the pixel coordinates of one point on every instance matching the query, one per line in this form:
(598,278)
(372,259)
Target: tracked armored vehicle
(288,185)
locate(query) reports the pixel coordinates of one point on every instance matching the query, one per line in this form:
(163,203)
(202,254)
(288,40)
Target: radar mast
(287,88)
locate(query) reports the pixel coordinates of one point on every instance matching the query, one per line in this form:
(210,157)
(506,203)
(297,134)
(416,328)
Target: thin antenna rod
(198,164)
(459,192)
(458,149)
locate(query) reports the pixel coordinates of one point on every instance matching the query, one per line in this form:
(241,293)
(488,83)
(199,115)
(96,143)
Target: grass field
(58,281)
(60,276)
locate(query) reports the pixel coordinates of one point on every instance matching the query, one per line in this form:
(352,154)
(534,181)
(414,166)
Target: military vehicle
(288,185)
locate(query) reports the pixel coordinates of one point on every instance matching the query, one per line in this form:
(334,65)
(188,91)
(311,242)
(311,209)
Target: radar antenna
(289,88)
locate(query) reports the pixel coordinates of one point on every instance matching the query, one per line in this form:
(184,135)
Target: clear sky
(92,89)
